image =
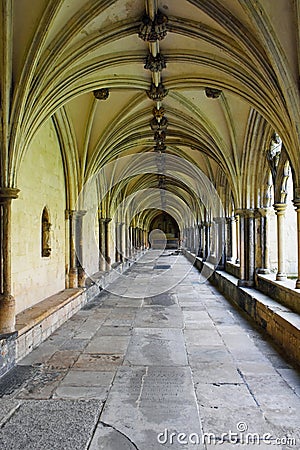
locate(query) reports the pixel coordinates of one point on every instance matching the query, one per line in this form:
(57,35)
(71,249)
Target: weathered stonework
(8,352)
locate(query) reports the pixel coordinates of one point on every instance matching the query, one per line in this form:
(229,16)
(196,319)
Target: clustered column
(297,207)
(264,240)
(247,247)
(76,271)
(280,209)
(220,241)
(73,275)
(229,239)
(7,301)
(79,250)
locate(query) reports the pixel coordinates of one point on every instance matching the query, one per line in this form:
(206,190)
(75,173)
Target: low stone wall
(233,269)
(282,292)
(280,322)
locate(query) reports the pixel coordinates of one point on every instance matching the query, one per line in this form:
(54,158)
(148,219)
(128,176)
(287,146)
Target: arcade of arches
(179,116)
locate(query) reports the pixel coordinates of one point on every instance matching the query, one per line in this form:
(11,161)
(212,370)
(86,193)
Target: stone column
(73,273)
(229,239)
(123,243)
(7,301)
(247,247)
(250,247)
(79,248)
(190,238)
(237,234)
(207,240)
(102,251)
(200,242)
(234,239)
(297,207)
(107,243)
(264,240)
(280,209)
(220,241)
(118,242)
(128,240)
(145,239)
(140,238)
(131,241)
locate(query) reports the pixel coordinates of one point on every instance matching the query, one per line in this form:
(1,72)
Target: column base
(281,277)
(264,271)
(73,278)
(102,265)
(246,283)
(81,277)
(7,314)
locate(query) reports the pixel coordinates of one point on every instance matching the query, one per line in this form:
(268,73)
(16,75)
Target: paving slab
(146,401)
(216,354)
(156,346)
(40,354)
(42,385)
(114,331)
(216,395)
(108,438)
(97,362)
(63,359)
(209,372)
(159,316)
(108,345)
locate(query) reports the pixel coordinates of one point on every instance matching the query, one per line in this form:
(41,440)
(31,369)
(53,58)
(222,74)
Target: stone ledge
(36,324)
(279,321)
(30,317)
(283,291)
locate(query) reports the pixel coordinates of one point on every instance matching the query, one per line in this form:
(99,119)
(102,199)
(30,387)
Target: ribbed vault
(63,50)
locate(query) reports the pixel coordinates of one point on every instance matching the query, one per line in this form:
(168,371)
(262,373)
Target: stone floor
(161,361)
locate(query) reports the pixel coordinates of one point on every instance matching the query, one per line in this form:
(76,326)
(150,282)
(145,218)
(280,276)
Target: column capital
(280,208)
(219,220)
(263,211)
(104,220)
(81,213)
(245,212)
(7,194)
(74,213)
(297,204)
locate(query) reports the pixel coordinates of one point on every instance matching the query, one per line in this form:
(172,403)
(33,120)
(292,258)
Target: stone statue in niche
(46,227)
(273,154)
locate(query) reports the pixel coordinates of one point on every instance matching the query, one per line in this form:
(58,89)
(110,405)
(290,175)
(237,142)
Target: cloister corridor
(148,368)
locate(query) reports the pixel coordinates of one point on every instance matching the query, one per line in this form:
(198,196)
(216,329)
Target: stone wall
(41,183)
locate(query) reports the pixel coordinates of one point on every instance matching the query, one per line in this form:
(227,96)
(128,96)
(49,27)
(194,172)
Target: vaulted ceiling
(62,51)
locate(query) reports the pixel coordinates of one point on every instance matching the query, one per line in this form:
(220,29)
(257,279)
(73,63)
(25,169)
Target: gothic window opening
(45,230)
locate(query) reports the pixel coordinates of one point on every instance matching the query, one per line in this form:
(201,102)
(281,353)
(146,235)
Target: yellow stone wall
(41,183)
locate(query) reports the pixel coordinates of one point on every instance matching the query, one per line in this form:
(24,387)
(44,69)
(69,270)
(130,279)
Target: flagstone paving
(167,364)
